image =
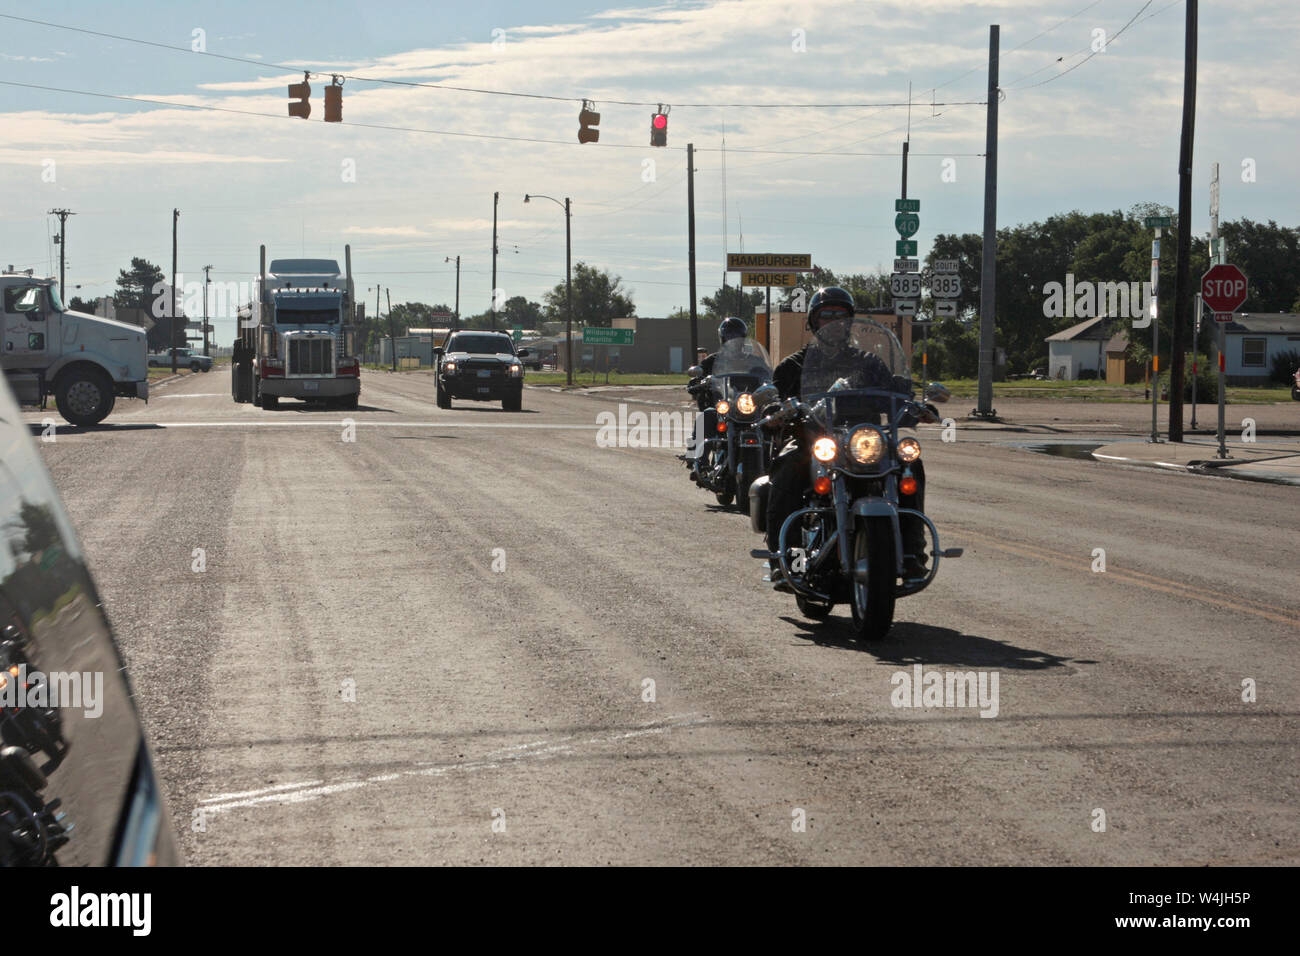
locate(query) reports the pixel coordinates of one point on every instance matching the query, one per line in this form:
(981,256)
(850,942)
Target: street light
(568,280)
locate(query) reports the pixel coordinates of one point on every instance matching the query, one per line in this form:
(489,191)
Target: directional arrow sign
(904,307)
(907,224)
(946,308)
(905,247)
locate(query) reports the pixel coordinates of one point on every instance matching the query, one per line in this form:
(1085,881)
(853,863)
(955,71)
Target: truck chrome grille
(311,356)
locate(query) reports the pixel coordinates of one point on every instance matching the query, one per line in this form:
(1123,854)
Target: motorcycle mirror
(695,371)
(937,392)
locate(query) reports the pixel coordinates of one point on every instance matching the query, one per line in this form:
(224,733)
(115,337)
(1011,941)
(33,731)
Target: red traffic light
(659,128)
(302,93)
(334,104)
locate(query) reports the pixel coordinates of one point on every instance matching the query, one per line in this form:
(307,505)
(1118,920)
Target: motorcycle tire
(813,609)
(1295,393)
(872,602)
(724,497)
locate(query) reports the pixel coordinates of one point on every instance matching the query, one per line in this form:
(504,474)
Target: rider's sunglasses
(830,312)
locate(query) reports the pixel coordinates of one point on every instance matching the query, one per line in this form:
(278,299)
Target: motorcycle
(1295,386)
(845,545)
(34,728)
(730,451)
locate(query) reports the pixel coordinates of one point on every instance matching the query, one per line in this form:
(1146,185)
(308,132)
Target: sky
(1083,125)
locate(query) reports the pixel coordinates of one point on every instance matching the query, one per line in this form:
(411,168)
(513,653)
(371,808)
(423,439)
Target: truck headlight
(866,446)
(516,370)
(449,366)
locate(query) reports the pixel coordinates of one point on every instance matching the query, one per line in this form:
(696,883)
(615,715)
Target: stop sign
(1223,288)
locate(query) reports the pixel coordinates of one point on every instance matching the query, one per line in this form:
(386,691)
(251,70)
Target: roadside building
(1081,348)
(1250,342)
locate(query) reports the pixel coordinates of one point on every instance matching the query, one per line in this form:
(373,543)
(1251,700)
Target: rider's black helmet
(732,328)
(829,296)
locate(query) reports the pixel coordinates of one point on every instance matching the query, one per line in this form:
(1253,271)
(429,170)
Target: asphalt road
(495,590)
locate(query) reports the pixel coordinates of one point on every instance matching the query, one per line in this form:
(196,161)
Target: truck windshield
(307,316)
(481,344)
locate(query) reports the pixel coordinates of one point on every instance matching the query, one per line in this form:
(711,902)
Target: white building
(1079,348)
(1251,340)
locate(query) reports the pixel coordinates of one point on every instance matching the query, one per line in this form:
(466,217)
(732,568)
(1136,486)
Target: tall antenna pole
(690,225)
(175,306)
(496,198)
(725,215)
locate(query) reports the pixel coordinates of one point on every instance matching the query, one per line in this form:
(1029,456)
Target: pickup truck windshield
(481,344)
(307,316)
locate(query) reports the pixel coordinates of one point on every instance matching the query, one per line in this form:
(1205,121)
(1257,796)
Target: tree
(135,286)
(598,298)
(78,304)
(518,310)
(1269,254)
(733,300)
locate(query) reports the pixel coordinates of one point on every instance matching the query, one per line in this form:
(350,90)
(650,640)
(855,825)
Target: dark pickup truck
(481,367)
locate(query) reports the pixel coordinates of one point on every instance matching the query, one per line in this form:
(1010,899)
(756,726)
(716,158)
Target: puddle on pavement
(1080,450)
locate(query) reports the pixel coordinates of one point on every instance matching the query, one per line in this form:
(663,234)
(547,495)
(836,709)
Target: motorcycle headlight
(909,449)
(723,407)
(866,446)
(824,449)
(449,366)
(745,404)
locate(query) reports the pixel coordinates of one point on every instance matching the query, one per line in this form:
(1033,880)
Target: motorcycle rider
(789,473)
(731,328)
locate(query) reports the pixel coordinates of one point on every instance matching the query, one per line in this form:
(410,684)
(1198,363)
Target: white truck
(297,339)
(85,361)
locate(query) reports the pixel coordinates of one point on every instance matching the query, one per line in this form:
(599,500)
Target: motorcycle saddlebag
(758,491)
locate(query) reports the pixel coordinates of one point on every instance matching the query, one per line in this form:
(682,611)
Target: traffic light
(588,119)
(334,101)
(302,93)
(659,127)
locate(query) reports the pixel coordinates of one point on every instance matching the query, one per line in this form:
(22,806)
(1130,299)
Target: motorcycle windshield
(859,366)
(741,365)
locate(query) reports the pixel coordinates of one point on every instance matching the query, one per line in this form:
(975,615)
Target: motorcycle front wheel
(872,600)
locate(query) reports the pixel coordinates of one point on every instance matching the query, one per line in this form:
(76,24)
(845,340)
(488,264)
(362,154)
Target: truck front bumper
(132,389)
(310,388)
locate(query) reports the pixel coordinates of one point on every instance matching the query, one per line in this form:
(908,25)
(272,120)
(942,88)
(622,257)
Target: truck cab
(85,361)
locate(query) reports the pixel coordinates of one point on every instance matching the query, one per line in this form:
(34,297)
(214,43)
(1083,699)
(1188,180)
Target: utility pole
(568,288)
(63,215)
(392,327)
(1182,275)
(207,280)
(455,321)
(690,225)
(988,270)
(175,306)
(496,198)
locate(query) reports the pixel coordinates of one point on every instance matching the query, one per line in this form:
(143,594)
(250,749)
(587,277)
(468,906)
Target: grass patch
(1090,391)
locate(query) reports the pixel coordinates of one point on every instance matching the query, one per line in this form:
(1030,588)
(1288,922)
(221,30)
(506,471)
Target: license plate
(485,390)
(311,386)
(485,373)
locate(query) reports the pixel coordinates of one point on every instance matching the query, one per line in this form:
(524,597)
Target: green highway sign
(1159,222)
(905,247)
(907,205)
(592,336)
(907,223)
(518,333)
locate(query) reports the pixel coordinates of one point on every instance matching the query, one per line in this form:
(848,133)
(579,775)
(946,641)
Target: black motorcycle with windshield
(845,544)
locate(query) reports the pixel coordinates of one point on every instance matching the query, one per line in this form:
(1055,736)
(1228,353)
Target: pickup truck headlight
(449,366)
(516,370)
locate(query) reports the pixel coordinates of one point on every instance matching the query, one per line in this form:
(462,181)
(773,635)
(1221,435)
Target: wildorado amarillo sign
(741,261)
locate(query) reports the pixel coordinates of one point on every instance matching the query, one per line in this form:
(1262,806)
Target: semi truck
(85,361)
(297,338)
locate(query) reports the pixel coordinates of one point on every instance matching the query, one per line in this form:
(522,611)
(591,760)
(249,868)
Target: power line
(1094,52)
(263,64)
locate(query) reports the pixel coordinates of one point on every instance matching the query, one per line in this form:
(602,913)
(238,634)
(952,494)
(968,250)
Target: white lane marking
(284,794)
(196,395)
(253,793)
(359,422)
